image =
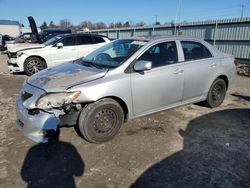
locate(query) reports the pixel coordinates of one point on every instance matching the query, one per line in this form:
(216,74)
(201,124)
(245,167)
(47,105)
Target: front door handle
(213,65)
(178,71)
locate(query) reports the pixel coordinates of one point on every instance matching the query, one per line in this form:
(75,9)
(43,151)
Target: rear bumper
(37,126)
(232,74)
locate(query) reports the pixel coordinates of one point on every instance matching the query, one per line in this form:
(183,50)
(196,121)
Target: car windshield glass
(52,41)
(113,54)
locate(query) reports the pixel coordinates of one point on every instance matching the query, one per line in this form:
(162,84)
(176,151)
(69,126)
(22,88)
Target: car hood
(33,28)
(23,46)
(64,76)
(10,42)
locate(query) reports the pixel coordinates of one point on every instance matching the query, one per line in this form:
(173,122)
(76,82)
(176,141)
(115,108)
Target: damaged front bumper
(33,125)
(36,124)
(36,127)
(15,64)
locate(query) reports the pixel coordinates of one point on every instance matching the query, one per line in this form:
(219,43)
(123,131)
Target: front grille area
(11,55)
(29,95)
(25,95)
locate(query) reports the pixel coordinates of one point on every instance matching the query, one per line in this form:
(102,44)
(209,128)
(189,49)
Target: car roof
(82,34)
(56,29)
(165,37)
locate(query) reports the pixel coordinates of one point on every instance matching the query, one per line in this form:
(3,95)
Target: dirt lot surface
(189,146)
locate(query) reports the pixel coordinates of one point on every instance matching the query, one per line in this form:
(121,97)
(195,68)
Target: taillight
(235,62)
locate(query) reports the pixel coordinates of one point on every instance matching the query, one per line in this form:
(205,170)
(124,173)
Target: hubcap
(217,93)
(34,66)
(105,121)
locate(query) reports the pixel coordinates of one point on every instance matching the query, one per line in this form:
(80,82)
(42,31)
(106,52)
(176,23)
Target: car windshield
(52,41)
(113,54)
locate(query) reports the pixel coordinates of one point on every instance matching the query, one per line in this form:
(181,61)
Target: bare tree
(126,24)
(44,25)
(100,25)
(116,25)
(51,24)
(87,24)
(157,23)
(65,23)
(112,25)
(119,24)
(140,24)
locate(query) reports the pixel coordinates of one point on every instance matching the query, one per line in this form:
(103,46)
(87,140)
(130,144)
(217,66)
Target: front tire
(33,65)
(100,121)
(216,94)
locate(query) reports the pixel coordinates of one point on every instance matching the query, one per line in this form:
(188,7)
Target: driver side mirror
(59,45)
(142,65)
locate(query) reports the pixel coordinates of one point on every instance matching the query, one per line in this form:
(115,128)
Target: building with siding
(228,35)
(9,27)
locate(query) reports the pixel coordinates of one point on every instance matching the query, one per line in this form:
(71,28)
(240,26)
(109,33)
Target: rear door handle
(178,71)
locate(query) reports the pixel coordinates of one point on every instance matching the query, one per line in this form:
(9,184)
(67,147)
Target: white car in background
(57,50)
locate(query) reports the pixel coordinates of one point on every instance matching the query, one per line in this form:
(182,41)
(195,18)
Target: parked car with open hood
(24,37)
(36,38)
(57,50)
(45,34)
(122,80)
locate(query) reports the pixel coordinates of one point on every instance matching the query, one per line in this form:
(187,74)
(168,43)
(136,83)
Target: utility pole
(156,19)
(180,8)
(242,10)
(178,16)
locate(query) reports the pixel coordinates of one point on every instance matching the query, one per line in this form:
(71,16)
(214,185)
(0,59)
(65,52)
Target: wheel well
(37,57)
(223,77)
(123,105)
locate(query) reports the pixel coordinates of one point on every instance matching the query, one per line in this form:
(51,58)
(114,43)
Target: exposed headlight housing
(56,100)
(19,54)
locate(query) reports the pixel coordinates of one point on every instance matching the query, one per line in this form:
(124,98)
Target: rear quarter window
(97,40)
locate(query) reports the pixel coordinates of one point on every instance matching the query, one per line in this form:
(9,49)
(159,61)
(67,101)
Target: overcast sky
(109,11)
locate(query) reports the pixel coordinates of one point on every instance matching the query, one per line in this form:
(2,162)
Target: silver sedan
(125,79)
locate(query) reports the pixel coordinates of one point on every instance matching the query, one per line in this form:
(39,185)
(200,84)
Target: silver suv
(120,81)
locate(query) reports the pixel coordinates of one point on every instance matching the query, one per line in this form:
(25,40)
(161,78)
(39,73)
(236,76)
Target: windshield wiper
(91,63)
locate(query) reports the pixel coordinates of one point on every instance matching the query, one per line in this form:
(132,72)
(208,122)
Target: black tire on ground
(100,121)
(216,94)
(33,65)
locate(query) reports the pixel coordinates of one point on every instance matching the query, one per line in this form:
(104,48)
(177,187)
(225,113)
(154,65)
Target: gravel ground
(189,146)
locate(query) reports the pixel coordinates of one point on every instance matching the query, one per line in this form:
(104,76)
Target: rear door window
(194,50)
(84,40)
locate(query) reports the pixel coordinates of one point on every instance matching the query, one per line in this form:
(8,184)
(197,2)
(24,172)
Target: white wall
(27,29)
(12,30)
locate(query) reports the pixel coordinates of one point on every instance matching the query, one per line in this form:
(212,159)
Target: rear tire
(216,94)
(100,121)
(33,65)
